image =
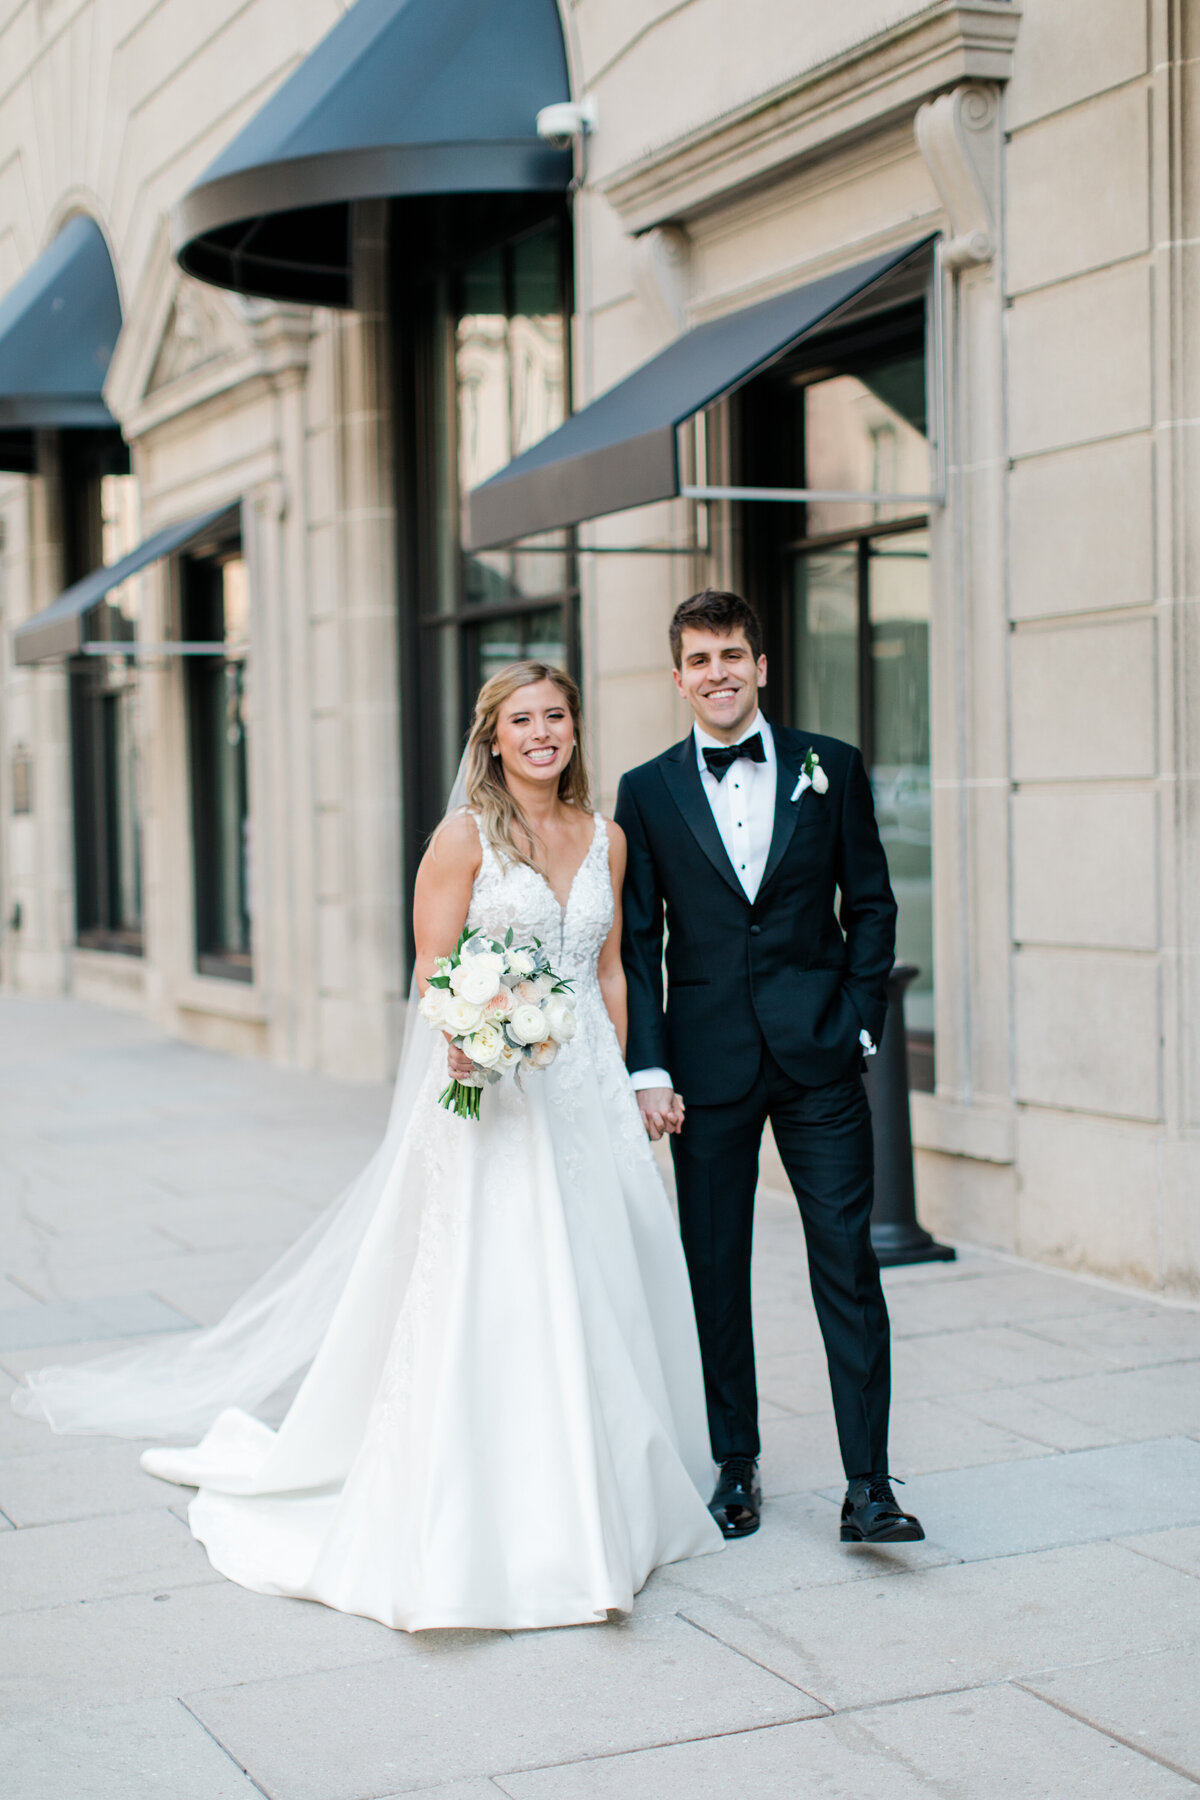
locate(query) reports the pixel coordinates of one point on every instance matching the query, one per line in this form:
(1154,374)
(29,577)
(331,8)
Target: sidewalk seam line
(1106,1731)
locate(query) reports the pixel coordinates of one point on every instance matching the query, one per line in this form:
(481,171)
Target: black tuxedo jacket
(779,968)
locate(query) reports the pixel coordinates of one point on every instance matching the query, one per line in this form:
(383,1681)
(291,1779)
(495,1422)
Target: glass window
(215,595)
(484,341)
(100,517)
(849,641)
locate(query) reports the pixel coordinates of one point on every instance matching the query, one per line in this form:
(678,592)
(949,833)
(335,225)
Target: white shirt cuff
(864,1038)
(648,1078)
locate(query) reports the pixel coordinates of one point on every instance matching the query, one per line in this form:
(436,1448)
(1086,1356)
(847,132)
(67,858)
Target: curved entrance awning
(403,97)
(621,450)
(58,327)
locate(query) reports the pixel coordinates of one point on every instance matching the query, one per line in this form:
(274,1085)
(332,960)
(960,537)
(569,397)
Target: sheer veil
(175,1388)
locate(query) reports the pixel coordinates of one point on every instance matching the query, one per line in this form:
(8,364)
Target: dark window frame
(206,680)
(767,439)
(431,242)
(96,689)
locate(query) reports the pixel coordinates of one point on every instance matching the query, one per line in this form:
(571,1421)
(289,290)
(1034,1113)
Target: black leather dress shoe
(737,1497)
(872,1515)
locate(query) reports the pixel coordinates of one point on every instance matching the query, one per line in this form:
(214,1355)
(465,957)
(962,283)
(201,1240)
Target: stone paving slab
(1145,1402)
(154,1750)
(453,1710)
(1032,1412)
(995,1744)
(797,1547)
(41,1327)
(1028,1403)
(1130,1336)
(1010,1296)
(1179,1549)
(962,1625)
(1150,1702)
(1014,1508)
(138,1647)
(90,1559)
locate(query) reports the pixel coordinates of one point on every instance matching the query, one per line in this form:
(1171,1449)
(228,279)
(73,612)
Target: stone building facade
(1016,645)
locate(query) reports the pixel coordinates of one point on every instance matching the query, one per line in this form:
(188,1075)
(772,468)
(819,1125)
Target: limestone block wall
(113,108)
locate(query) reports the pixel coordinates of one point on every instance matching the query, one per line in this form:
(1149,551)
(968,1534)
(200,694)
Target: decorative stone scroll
(958,134)
(662,274)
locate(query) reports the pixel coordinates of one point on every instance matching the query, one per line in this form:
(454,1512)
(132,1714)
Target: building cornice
(874,85)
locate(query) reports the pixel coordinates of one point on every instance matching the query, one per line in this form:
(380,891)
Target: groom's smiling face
(719,678)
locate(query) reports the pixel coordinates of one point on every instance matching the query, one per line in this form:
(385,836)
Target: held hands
(662,1112)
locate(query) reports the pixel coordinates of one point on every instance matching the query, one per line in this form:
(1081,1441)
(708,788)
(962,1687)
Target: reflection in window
(857,634)
(494,317)
(105,719)
(216,609)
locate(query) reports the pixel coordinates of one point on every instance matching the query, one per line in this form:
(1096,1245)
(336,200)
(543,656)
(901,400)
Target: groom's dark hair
(715,610)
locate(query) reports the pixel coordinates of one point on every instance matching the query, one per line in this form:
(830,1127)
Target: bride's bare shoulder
(455,845)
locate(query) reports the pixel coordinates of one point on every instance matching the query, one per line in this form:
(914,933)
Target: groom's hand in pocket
(662,1112)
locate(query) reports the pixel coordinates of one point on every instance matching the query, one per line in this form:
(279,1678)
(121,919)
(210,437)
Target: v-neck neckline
(562,905)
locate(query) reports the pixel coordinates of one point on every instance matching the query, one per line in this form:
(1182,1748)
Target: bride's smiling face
(534,733)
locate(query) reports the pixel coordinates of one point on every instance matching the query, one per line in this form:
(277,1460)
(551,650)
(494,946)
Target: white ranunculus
(544,985)
(461,1016)
(520,962)
(484,1046)
(485,959)
(543,1054)
(433,1006)
(528,1025)
(820,780)
(475,981)
(560,1017)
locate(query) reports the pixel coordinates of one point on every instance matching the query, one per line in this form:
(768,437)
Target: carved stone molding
(872,87)
(183,344)
(662,275)
(958,135)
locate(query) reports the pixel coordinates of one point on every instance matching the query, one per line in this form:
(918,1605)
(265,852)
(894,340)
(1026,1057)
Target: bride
(502,1422)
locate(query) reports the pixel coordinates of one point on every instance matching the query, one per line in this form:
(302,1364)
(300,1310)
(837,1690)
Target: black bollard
(896,1236)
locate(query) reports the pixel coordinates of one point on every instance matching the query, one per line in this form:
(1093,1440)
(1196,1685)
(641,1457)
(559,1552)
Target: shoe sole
(896,1534)
(738,1530)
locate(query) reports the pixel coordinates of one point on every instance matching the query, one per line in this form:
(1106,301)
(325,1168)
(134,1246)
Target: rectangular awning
(621,450)
(60,629)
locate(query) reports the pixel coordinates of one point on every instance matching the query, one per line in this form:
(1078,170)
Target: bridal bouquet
(503,1005)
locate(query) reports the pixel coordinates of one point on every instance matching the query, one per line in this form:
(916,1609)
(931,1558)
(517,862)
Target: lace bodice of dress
(513,894)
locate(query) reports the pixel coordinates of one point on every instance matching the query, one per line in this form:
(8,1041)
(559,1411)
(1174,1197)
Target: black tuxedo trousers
(823,1135)
(765,1001)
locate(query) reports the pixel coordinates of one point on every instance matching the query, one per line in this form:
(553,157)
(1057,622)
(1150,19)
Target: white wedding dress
(504,1424)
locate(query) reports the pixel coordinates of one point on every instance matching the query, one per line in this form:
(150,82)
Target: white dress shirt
(743,806)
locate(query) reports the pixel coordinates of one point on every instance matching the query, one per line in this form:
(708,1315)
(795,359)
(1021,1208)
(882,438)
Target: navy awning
(621,450)
(58,328)
(402,97)
(59,630)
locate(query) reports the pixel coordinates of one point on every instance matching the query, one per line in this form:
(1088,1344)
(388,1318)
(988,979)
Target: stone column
(960,137)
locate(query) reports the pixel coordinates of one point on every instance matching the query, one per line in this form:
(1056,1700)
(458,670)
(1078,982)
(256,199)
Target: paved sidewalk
(1044,1642)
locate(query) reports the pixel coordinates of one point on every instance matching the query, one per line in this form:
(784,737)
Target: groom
(739,839)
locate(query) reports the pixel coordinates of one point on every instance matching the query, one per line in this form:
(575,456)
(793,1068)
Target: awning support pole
(790,495)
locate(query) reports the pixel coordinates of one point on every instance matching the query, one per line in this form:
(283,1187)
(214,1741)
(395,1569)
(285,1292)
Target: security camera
(560,124)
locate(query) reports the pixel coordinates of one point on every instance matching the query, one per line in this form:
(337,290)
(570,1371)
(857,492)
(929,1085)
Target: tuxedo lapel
(682,776)
(789,761)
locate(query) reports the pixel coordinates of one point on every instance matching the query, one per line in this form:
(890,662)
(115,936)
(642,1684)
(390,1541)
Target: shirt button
(756,931)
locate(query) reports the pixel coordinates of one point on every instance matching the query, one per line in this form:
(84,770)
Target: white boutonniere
(811,776)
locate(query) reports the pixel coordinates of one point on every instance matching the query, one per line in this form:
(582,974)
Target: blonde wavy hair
(504,823)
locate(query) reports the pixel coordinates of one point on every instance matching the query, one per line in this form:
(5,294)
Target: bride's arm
(441,901)
(609,971)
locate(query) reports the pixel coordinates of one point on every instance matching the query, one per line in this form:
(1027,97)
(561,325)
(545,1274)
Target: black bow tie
(720,760)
